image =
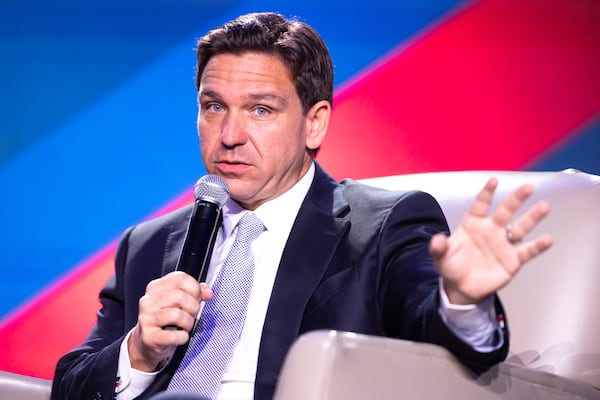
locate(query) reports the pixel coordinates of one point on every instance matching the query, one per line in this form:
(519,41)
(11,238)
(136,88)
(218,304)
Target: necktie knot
(249,227)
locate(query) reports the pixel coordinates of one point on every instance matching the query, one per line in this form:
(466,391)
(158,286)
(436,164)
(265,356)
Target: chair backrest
(553,303)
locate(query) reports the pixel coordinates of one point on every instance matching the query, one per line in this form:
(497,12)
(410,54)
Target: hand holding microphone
(168,309)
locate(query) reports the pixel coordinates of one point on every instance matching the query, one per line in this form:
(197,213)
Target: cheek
(207,148)
(206,135)
(281,148)
(285,157)
(291,138)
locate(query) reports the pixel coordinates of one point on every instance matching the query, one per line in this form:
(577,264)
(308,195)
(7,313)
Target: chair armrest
(336,365)
(21,387)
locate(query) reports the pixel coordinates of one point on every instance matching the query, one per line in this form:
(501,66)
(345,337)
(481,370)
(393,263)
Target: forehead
(249,68)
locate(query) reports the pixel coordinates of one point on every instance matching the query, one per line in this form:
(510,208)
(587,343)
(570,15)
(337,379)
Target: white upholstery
(330,365)
(20,387)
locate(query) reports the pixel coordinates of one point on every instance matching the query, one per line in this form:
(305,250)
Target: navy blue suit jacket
(357,260)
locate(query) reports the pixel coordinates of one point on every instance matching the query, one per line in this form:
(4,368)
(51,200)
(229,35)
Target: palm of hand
(478,258)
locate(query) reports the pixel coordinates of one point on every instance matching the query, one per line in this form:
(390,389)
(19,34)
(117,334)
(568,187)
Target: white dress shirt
(475,324)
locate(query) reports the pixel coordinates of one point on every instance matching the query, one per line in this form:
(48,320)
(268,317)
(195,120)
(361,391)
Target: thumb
(206,292)
(438,246)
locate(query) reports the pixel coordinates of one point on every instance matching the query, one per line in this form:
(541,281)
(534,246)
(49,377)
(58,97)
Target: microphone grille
(212,188)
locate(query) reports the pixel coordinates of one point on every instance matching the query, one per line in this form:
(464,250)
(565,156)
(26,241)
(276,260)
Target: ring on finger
(510,236)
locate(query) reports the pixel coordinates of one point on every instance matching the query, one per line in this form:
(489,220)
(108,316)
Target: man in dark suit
(332,256)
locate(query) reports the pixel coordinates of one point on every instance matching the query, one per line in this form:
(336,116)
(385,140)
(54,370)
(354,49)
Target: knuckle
(173,314)
(144,319)
(176,297)
(175,337)
(152,285)
(144,302)
(178,277)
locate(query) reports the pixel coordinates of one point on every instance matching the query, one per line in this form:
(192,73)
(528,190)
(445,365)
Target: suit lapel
(314,238)
(174,241)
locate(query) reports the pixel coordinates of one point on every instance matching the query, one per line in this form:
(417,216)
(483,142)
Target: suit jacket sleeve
(409,285)
(89,371)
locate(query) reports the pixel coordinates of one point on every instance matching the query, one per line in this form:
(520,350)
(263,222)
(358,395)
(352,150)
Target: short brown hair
(297,44)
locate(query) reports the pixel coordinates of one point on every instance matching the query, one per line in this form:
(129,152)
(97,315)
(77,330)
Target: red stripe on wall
(493,88)
(35,336)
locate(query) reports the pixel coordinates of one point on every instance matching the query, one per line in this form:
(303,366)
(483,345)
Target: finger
(164,341)
(529,220)
(176,280)
(438,246)
(172,280)
(206,294)
(183,301)
(172,301)
(481,205)
(185,282)
(507,207)
(528,250)
(169,298)
(173,317)
(174,337)
(154,314)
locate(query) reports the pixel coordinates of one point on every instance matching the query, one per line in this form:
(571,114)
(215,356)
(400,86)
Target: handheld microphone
(211,192)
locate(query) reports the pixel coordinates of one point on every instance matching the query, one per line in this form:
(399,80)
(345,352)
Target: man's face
(252,129)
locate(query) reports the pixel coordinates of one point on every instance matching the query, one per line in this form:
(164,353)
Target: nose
(233,132)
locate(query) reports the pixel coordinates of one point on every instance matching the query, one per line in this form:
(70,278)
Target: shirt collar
(278,215)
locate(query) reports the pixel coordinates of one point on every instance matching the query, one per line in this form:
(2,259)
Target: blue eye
(262,111)
(215,107)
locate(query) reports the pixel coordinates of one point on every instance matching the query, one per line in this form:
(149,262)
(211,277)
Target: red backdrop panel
(494,87)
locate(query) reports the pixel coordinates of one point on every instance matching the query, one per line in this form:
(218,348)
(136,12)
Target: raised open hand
(486,251)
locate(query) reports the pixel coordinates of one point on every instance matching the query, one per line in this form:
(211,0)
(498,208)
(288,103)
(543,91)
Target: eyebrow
(279,100)
(210,94)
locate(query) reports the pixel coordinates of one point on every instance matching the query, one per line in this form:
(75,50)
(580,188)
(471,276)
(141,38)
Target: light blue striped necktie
(222,320)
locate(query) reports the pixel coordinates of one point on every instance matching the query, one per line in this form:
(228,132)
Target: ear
(317,120)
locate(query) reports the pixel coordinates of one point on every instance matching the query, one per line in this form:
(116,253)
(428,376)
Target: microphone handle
(196,252)
(199,241)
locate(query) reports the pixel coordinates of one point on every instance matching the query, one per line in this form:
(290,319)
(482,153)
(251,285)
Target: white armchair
(552,310)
